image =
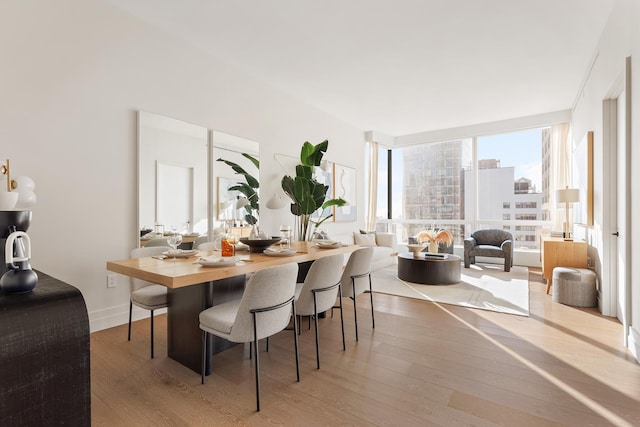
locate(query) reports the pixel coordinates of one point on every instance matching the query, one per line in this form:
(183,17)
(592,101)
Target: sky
(522,150)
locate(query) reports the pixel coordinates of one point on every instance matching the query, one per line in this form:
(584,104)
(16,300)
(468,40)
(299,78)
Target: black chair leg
(152,334)
(355,313)
(130,309)
(257,366)
(315,317)
(204,355)
(295,341)
(344,346)
(373,320)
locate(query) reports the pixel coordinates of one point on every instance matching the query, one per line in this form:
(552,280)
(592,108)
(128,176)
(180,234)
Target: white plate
(326,242)
(217,261)
(279,252)
(325,245)
(181,253)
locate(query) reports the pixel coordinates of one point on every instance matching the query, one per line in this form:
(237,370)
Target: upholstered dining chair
(352,282)
(266,307)
(146,294)
(158,241)
(319,291)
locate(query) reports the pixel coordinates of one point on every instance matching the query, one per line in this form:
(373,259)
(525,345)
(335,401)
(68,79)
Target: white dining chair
(353,282)
(158,241)
(319,291)
(265,309)
(145,294)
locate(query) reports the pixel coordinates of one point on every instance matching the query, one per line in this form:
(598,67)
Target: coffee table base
(429,271)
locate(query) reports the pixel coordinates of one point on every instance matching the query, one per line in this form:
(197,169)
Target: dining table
(192,288)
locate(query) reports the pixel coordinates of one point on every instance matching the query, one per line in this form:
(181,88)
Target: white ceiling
(400,66)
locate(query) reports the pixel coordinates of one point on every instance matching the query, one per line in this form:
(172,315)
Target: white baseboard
(118,315)
(634,343)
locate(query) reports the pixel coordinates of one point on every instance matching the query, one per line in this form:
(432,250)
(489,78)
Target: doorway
(615,298)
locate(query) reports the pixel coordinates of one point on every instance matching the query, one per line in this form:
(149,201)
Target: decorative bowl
(259,245)
(415,248)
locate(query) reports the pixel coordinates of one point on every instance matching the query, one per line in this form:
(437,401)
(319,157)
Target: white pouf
(574,286)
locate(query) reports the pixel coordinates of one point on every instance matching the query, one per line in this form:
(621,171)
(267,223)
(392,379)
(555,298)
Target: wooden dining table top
(179,272)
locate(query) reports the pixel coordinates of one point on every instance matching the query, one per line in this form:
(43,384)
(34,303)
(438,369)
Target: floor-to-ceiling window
(489,181)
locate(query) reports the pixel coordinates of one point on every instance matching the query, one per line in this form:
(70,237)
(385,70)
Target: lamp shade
(241,202)
(568,195)
(276,202)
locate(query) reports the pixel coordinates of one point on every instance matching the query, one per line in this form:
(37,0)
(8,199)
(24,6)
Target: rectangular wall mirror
(178,177)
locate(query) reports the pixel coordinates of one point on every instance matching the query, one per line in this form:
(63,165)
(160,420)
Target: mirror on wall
(235,207)
(172,175)
(180,182)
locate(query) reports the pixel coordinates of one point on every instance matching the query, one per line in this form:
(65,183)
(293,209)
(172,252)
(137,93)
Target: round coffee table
(429,270)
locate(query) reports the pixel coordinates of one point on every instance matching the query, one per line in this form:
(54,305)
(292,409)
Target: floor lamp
(568,196)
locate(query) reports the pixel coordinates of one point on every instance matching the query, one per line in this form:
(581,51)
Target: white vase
(433,247)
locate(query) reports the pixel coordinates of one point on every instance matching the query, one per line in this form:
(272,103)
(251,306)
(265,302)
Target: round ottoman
(574,286)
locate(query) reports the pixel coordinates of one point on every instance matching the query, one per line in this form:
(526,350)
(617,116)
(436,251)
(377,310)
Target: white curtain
(560,171)
(372,196)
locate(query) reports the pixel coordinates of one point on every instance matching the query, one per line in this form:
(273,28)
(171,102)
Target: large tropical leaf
(253,182)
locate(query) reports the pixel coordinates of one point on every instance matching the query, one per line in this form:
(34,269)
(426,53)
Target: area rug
(483,286)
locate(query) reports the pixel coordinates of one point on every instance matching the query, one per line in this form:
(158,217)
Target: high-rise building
(433,176)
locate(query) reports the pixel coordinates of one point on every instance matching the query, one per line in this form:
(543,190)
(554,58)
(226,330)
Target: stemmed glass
(174,241)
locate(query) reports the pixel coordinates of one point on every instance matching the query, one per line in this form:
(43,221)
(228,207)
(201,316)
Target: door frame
(612,245)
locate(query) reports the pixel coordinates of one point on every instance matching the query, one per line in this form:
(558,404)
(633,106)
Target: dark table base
(428,271)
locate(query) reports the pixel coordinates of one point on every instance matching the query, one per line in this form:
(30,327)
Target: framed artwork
(582,179)
(344,186)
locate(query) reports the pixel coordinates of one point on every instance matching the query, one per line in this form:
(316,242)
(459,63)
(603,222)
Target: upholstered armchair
(489,243)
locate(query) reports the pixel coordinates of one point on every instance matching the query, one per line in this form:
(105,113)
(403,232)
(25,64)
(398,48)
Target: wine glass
(285,236)
(174,241)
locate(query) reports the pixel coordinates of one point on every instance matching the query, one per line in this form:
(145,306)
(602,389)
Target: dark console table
(429,270)
(44,356)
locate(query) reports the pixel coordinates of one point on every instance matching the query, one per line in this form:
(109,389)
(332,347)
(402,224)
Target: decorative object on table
(249,188)
(259,245)
(306,193)
(19,277)
(568,196)
(11,221)
(415,248)
(228,244)
(434,238)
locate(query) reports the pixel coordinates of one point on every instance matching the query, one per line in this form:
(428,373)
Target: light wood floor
(424,364)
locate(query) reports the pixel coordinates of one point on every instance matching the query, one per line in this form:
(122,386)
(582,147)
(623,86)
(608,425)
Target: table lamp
(568,196)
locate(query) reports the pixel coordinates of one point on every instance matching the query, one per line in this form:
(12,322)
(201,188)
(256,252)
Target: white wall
(73,75)
(620,39)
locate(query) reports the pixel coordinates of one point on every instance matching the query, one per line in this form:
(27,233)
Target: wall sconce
(568,196)
(6,170)
(276,202)
(241,202)
(20,194)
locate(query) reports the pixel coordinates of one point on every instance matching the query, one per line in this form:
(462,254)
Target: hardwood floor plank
(424,364)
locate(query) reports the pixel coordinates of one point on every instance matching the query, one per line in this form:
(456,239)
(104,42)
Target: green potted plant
(249,188)
(306,193)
